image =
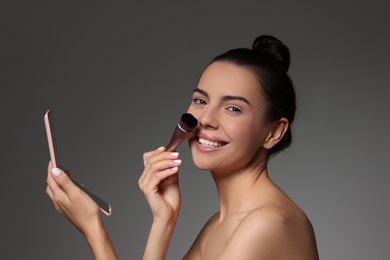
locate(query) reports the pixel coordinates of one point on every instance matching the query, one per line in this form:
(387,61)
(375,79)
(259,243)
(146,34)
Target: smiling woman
(245,105)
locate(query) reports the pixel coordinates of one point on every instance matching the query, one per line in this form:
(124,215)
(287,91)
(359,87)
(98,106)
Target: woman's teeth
(209,143)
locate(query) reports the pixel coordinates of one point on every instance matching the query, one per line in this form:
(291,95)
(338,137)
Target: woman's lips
(209,143)
(205,143)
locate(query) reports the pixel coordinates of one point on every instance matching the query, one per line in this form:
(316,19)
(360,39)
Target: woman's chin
(201,164)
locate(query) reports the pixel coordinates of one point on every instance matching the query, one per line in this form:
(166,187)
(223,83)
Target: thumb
(62,179)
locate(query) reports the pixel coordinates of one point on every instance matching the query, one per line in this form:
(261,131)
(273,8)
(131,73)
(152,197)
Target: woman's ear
(276,133)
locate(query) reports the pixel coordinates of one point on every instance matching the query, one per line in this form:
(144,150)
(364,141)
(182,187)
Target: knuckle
(56,199)
(152,167)
(141,185)
(146,156)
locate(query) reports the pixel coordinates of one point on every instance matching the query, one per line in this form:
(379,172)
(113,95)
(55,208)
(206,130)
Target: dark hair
(269,59)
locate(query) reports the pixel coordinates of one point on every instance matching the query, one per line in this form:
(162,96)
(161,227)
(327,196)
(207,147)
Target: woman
(245,104)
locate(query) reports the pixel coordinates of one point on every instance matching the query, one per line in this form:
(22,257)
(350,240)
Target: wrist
(167,218)
(169,223)
(94,230)
(163,224)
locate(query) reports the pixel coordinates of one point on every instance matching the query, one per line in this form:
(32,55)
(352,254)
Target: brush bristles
(188,122)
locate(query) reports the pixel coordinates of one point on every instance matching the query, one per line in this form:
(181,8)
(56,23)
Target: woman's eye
(234,109)
(199,101)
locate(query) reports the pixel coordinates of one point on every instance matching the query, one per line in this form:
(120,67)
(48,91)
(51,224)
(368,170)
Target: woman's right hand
(80,210)
(160,185)
(71,201)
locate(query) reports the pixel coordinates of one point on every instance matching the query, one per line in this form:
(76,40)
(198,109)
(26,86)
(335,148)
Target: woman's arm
(159,183)
(158,241)
(101,244)
(81,211)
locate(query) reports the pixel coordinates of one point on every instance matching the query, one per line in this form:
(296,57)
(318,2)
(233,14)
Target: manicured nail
(161,148)
(175,154)
(178,161)
(56,172)
(174,168)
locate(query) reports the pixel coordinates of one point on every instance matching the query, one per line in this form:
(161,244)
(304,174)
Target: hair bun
(269,45)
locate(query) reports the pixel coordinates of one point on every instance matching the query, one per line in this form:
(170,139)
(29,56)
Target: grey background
(118,74)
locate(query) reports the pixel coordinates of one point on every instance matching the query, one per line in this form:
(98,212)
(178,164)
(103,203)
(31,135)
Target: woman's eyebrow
(228,98)
(201,91)
(225,98)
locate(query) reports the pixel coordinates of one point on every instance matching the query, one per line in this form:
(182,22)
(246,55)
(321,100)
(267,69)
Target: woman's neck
(238,191)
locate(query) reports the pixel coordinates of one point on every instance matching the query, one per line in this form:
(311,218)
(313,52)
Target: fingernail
(177,161)
(175,154)
(56,172)
(174,168)
(160,148)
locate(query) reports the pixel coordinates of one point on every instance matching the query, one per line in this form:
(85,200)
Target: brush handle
(178,136)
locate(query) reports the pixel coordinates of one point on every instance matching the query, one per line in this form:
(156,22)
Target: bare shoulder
(275,217)
(209,225)
(272,231)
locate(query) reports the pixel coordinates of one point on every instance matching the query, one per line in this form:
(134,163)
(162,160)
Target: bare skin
(257,220)
(268,227)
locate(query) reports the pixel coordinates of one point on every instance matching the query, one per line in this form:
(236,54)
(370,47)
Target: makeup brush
(183,129)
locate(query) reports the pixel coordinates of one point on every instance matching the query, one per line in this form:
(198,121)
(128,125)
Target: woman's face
(231,113)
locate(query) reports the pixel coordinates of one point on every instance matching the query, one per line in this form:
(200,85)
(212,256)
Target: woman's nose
(209,118)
